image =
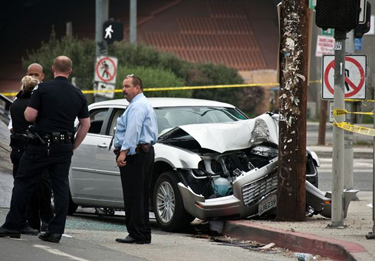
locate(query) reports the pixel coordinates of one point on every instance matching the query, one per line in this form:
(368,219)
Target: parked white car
(211,161)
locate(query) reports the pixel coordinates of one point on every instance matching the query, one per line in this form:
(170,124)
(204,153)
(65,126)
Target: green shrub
(82,53)
(157,69)
(210,74)
(151,78)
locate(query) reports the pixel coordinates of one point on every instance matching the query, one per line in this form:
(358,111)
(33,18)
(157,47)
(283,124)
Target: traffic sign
(312,4)
(325,45)
(106,90)
(355,75)
(357,44)
(106,69)
(329,32)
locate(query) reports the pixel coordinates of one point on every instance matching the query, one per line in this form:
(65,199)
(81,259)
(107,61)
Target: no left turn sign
(106,69)
(355,75)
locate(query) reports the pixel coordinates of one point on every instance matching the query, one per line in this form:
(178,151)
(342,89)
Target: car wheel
(72,208)
(168,206)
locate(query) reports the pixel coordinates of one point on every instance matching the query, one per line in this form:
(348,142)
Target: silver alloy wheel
(165,202)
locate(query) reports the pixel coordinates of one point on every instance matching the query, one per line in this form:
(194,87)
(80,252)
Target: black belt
(142,147)
(58,137)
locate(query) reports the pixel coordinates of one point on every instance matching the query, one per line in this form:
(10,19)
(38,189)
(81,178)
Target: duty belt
(58,137)
(142,147)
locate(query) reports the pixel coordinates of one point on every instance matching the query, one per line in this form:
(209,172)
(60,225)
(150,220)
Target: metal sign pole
(338,133)
(371,235)
(348,135)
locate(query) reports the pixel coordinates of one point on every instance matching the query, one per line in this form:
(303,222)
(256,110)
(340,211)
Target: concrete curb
(295,241)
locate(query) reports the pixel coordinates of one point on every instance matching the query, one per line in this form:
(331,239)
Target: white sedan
(210,161)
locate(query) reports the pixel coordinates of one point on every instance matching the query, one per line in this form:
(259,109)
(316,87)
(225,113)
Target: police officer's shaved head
(63,64)
(35,70)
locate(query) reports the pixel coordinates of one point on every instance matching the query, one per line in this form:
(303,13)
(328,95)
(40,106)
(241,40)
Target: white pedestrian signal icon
(112,31)
(108,32)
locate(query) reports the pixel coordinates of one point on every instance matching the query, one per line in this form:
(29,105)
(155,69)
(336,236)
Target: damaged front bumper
(248,190)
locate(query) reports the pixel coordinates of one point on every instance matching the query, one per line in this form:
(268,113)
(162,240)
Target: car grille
(254,191)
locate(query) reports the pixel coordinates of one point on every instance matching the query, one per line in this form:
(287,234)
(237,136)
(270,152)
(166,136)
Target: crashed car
(211,161)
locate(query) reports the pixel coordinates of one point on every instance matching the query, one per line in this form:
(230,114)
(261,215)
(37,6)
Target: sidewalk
(314,235)
(359,152)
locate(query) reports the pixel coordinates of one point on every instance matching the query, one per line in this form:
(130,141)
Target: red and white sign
(355,77)
(325,45)
(106,69)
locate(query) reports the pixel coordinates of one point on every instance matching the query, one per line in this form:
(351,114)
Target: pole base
(370,235)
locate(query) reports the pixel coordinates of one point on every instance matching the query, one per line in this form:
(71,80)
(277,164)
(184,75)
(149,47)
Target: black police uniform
(40,205)
(58,103)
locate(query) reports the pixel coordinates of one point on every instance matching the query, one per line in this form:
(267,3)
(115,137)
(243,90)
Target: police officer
(53,107)
(40,210)
(136,132)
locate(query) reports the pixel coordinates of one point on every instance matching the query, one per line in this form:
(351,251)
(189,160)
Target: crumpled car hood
(222,137)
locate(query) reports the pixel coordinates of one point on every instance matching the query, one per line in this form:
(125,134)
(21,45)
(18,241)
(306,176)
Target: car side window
(112,123)
(97,118)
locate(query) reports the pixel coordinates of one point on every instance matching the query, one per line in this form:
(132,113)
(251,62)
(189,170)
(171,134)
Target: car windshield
(170,117)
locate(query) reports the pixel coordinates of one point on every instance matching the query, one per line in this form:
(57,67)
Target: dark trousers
(40,208)
(135,179)
(33,163)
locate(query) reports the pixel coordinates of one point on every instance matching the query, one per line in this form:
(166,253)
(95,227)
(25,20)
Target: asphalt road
(91,237)
(362,174)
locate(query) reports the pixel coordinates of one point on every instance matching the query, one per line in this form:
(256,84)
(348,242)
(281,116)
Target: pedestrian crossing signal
(337,14)
(113,31)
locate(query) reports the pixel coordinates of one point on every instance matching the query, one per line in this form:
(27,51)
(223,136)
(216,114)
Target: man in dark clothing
(40,209)
(54,107)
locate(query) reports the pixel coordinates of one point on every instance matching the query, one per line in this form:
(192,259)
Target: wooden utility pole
(294,64)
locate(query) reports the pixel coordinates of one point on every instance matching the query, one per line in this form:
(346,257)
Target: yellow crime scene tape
(155,89)
(357,100)
(353,128)
(340,112)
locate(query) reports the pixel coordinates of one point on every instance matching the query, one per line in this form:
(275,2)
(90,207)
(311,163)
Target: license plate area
(267,204)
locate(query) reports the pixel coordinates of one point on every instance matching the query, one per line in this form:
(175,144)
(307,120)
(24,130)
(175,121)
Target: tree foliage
(157,69)
(81,51)
(153,78)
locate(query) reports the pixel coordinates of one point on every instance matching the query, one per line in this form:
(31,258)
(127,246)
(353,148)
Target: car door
(95,178)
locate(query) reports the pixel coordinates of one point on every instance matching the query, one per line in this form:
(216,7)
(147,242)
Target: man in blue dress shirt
(136,133)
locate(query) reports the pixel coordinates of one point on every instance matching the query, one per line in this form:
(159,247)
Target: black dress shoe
(44,227)
(27,230)
(4,232)
(50,237)
(130,240)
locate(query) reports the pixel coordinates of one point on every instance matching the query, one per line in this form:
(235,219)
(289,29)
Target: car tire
(168,206)
(72,208)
